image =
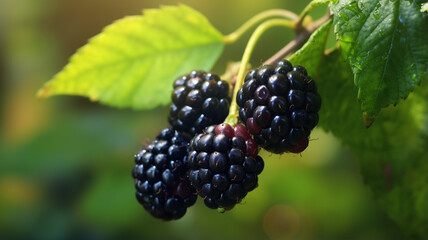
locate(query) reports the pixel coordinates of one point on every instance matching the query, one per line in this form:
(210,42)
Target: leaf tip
(368,119)
(43,92)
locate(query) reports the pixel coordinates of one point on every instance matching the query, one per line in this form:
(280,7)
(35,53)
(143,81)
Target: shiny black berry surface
(160,176)
(279,105)
(199,100)
(224,165)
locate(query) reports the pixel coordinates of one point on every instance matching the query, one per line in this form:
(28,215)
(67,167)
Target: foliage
(391,153)
(381,56)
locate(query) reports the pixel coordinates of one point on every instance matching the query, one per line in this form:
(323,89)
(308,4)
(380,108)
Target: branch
(301,38)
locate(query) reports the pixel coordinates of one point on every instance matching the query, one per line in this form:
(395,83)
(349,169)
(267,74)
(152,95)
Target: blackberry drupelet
(279,105)
(224,165)
(199,100)
(160,175)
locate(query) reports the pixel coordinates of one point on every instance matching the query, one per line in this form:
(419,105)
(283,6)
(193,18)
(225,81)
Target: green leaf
(341,111)
(386,44)
(312,52)
(135,60)
(392,153)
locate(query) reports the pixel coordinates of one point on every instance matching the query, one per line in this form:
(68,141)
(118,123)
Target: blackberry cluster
(224,165)
(279,106)
(199,100)
(160,176)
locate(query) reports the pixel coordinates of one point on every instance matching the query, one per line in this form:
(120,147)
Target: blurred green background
(65,168)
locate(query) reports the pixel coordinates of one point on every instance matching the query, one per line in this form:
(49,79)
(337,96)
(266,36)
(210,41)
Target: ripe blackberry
(224,165)
(200,99)
(160,176)
(279,105)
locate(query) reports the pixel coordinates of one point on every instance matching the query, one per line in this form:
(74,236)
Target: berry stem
(234,36)
(232,118)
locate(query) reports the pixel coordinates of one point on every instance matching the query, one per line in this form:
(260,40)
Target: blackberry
(199,99)
(160,176)
(279,105)
(224,165)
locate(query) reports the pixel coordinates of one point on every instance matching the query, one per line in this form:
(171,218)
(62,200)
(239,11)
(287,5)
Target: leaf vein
(140,57)
(397,8)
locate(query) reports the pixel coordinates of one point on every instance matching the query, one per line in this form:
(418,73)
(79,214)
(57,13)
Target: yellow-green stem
(232,37)
(232,118)
(307,9)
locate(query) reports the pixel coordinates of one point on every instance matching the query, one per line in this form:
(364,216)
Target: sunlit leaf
(134,61)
